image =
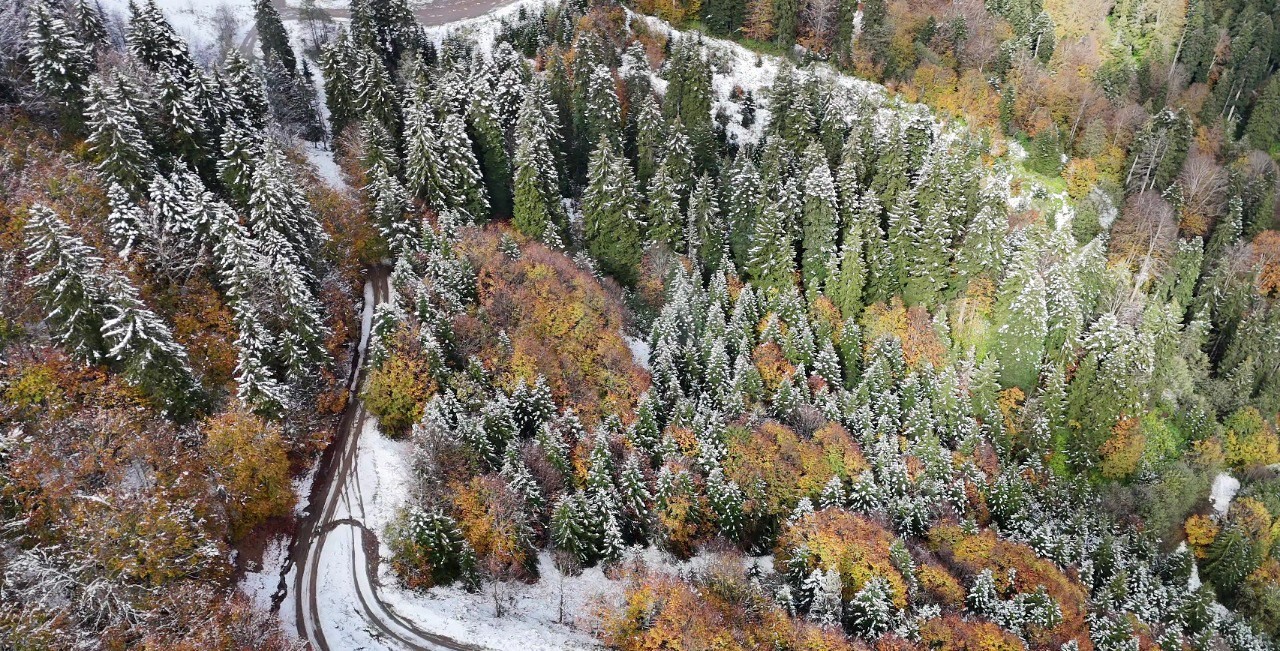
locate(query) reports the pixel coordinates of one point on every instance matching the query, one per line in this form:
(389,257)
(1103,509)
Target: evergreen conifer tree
(771,261)
(663,214)
(820,218)
(116,140)
(152,41)
(339,82)
(272,37)
(245,86)
(67,284)
(143,345)
(610,213)
(60,63)
(707,223)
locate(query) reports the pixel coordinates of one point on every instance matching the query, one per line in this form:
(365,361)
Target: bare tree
(819,18)
(1204,192)
(1143,237)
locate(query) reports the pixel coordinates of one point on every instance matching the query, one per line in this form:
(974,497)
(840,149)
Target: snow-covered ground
(195,21)
(261,583)
(639,351)
(1223,491)
(483,29)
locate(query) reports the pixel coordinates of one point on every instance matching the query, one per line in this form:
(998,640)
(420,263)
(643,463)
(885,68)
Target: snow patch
(194,21)
(260,585)
(366,325)
(1223,491)
(533,620)
(639,351)
(326,167)
(302,489)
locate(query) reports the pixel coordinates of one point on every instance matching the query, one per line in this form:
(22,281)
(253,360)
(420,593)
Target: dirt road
(336,522)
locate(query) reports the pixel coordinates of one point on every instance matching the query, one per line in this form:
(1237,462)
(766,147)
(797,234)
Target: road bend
(336,520)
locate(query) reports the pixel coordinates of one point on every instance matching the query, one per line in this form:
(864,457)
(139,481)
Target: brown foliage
(492,521)
(247,458)
(955,633)
(853,545)
(967,555)
(563,324)
(719,610)
(776,466)
(1264,253)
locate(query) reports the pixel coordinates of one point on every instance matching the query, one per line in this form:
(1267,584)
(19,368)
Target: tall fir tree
(771,258)
(272,37)
(144,347)
(116,140)
(152,41)
(610,213)
(706,222)
(663,213)
(336,62)
(67,284)
(247,90)
(60,62)
(820,218)
(537,210)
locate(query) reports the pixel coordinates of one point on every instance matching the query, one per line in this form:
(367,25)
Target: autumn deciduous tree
(1143,237)
(396,391)
(247,455)
(1122,452)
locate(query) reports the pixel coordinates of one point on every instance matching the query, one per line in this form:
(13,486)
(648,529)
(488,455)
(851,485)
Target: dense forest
(963,361)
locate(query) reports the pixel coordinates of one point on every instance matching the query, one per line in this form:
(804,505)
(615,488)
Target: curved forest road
(336,518)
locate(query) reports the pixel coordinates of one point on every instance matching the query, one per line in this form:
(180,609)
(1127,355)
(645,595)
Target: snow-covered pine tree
(60,62)
(569,533)
(928,267)
(533,406)
(845,286)
(180,115)
(820,219)
(462,171)
(256,385)
(336,61)
(725,499)
(1022,315)
(882,281)
(241,148)
(537,211)
(389,206)
(375,94)
(143,345)
(123,153)
(611,215)
(771,259)
(68,284)
(301,337)
(124,222)
(91,25)
(706,221)
(870,612)
(663,213)
(152,41)
(742,203)
(245,87)
(276,204)
(651,138)
(826,607)
(272,37)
